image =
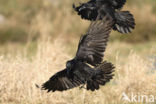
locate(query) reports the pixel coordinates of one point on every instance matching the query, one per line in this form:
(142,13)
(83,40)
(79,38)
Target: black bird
(124,21)
(90,51)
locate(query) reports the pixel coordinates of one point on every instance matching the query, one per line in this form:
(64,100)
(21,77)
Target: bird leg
(82,87)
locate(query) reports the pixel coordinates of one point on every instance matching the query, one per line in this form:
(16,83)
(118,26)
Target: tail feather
(103,74)
(125,22)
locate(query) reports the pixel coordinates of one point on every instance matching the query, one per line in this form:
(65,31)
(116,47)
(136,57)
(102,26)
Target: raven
(90,51)
(124,21)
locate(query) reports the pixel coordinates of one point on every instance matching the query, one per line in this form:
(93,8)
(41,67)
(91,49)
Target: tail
(103,74)
(125,22)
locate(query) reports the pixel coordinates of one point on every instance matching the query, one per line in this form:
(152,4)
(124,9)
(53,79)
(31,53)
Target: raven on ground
(90,51)
(124,21)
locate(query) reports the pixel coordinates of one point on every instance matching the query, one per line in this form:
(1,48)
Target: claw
(82,87)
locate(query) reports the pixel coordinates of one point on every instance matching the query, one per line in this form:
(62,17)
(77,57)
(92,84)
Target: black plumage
(90,51)
(124,21)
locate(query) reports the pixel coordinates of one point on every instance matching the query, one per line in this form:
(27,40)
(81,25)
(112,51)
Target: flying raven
(124,21)
(90,51)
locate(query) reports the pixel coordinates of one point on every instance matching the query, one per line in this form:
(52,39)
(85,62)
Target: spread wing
(92,45)
(60,82)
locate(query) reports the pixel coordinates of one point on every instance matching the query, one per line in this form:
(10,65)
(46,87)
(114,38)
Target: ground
(134,73)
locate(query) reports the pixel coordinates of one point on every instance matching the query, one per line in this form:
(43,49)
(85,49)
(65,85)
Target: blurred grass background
(37,37)
(23,22)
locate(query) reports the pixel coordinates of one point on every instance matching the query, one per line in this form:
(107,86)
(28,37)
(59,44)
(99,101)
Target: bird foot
(82,87)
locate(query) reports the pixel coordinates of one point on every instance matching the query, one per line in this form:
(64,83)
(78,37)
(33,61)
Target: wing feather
(60,82)
(92,45)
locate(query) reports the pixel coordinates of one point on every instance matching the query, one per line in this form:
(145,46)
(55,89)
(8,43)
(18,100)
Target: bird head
(70,63)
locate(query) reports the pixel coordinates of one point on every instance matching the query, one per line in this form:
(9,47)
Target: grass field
(134,73)
(37,38)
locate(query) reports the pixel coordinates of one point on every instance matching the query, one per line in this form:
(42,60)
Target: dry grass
(18,76)
(19,71)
